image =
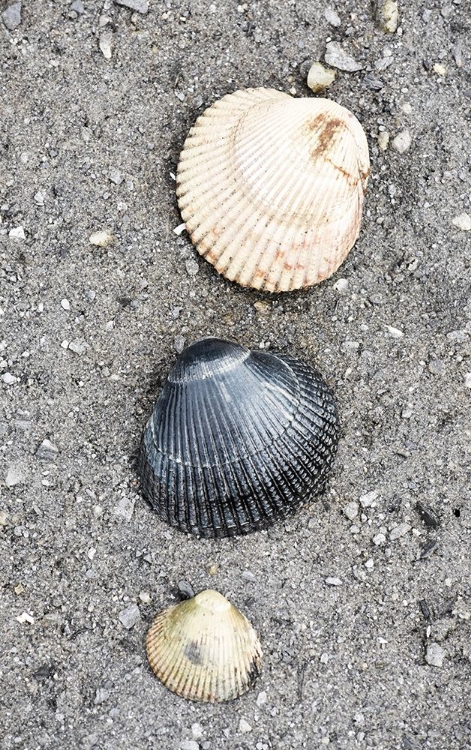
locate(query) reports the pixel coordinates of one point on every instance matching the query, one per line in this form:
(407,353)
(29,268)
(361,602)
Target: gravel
(11,16)
(435,655)
(69,119)
(130,616)
(402,142)
(336,56)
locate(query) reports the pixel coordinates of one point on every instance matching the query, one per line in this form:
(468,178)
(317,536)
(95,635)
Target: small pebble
(124,508)
(144,596)
(369,564)
(179,344)
(101,239)
(212,569)
(14,476)
(398,531)
(115,177)
(25,617)
(387,15)
(101,696)
(189,745)
(379,539)
(192,267)
(77,5)
(130,616)
(247,575)
(368,499)
(19,589)
(402,142)
(396,333)
(439,69)
(351,511)
(435,655)
(141,6)
(186,590)
(9,379)
(3,518)
(320,78)
(47,451)
(463,222)
(196,731)
(261,698)
(18,233)
(244,726)
(65,304)
(78,346)
(39,198)
(11,17)
(467,380)
(331,17)
(333,581)
(341,286)
(383,140)
(180,229)
(105,44)
(261,306)
(338,58)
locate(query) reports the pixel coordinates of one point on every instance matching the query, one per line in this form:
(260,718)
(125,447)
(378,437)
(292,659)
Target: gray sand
(382,660)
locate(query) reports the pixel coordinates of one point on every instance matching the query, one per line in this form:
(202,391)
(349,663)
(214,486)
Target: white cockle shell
(271,187)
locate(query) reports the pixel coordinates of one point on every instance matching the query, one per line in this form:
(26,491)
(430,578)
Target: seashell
(204,649)
(237,439)
(271,187)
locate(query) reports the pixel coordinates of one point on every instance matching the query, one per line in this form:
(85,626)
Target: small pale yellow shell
(271,187)
(204,649)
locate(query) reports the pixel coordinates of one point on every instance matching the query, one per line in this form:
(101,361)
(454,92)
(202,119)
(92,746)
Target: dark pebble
(427,515)
(185,590)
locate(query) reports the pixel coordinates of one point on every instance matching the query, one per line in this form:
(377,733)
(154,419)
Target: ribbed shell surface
(271,187)
(204,649)
(237,439)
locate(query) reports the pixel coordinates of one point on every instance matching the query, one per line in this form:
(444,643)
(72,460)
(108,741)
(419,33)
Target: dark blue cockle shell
(237,439)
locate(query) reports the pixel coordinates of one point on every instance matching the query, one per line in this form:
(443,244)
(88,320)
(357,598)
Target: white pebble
(65,344)
(435,655)
(196,731)
(387,15)
(91,553)
(398,531)
(383,140)
(351,511)
(341,286)
(379,539)
(189,745)
(144,596)
(333,581)
(467,380)
(14,476)
(368,499)
(105,44)
(130,616)
(65,304)
(244,726)
(180,229)
(439,69)
(402,142)
(320,78)
(25,617)
(39,198)
(9,379)
(331,17)
(463,222)
(101,239)
(17,234)
(261,698)
(336,56)
(396,333)
(369,564)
